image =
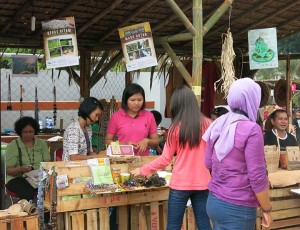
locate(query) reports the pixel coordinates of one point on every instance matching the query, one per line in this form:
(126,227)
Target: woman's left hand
(142,145)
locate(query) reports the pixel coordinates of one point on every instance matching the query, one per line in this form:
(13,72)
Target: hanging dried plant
(227,67)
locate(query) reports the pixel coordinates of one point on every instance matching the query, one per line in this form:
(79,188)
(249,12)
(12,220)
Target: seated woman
(24,155)
(77,143)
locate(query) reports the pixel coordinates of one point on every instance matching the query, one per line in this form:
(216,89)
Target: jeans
(226,216)
(177,205)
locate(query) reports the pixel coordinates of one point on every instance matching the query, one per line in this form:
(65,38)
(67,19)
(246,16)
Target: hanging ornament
(22,91)
(36,106)
(54,106)
(9,106)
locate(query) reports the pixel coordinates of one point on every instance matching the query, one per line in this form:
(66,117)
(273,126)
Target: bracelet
(266,211)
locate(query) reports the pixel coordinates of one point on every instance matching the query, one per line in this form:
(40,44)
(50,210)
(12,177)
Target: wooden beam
(197,49)
(60,13)
(180,14)
(170,18)
(174,38)
(25,6)
(264,19)
(126,20)
(99,16)
(178,64)
(85,70)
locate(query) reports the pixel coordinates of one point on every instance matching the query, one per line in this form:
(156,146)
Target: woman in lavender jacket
(235,157)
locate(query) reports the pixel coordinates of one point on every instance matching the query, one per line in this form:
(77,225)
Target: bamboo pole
(197,49)
(180,14)
(207,26)
(216,16)
(178,64)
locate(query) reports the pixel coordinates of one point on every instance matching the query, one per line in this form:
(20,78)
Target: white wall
(65,92)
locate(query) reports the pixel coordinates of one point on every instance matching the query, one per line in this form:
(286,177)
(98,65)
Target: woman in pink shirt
(189,177)
(133,125)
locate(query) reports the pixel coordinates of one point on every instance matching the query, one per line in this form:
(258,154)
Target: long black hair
(186,112)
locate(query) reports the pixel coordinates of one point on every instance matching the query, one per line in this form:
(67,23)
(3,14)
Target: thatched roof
(97,21)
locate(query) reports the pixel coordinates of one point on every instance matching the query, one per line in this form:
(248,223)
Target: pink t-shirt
(130,129)
(189,171)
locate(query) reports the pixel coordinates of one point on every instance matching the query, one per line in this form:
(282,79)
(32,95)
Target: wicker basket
(272,158)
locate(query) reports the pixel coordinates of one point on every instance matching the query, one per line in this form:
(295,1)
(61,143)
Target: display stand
(143,208)
(285,204)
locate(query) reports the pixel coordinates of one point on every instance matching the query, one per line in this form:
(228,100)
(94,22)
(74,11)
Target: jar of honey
(116,174)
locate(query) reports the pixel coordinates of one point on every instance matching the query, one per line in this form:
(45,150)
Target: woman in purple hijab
(235,157)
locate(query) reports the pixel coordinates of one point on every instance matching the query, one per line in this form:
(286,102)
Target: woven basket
(272,158)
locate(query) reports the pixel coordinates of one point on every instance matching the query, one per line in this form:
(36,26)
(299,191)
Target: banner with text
(60,43)
(138,47)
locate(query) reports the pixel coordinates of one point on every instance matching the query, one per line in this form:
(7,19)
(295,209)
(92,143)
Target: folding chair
(58,154)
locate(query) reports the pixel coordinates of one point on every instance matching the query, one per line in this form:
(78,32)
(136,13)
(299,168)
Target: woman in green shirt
(24,155)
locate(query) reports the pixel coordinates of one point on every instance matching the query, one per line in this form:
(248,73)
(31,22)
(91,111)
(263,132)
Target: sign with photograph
(60,43)
(24,66)
(263,48)
(138,47)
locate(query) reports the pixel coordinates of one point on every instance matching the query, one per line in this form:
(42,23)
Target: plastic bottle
(47,122)
(50,123)
(40,124)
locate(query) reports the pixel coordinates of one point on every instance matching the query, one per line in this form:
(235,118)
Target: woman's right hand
(26,168)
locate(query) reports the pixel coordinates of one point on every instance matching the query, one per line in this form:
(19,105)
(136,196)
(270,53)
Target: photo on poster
(24,66)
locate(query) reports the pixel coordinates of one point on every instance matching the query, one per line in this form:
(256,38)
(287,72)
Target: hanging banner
(138,47)
(60,43)
(263,48)
(24,66)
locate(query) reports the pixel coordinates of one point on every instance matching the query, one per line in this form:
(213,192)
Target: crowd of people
(219,165)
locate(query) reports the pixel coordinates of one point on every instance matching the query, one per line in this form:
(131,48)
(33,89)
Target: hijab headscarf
(243,99)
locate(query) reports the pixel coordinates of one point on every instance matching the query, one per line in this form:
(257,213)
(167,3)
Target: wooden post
(85,71)
(288,87)
(197,49)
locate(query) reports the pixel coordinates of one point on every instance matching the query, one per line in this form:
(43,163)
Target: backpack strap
(20,154)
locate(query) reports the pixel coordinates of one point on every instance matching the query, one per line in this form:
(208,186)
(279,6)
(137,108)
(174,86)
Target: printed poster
(263,52)
(24,66)
(138,47)
(60,42)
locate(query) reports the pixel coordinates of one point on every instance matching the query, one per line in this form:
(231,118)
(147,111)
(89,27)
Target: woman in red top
(189,177)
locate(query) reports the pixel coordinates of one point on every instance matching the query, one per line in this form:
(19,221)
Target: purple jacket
(242,173)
